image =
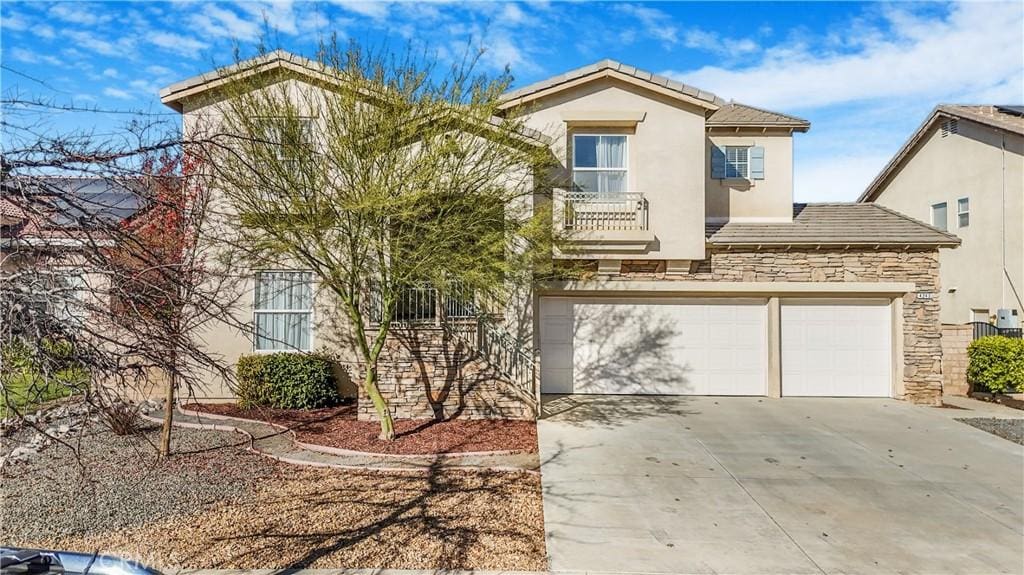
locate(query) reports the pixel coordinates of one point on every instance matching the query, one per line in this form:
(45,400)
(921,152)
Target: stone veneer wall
(922,335)
(428,374)
(955,339)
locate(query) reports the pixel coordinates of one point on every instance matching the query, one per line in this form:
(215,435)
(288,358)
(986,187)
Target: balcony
(615,222)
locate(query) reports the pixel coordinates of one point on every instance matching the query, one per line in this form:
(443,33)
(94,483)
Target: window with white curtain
(283,311)
(940,216)
(599,163)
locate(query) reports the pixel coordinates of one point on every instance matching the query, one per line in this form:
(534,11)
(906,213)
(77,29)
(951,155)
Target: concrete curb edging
(353,452)
(252,440)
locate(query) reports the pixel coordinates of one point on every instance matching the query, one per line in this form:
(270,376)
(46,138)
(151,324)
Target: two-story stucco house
(962,171)
(707,280)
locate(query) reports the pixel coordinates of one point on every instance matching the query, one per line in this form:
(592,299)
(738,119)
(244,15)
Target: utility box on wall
(1007,319)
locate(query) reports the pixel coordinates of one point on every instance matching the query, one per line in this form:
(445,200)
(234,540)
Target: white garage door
(836,348)
(653,346)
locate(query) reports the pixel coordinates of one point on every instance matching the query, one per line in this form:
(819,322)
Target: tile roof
(736,114)
(612,65)
(988,115)
(832,224)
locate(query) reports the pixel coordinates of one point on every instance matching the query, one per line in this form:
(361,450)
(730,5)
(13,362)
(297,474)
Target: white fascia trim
(669,287)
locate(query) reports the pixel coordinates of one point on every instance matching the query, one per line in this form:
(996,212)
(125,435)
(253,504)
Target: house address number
(925,295)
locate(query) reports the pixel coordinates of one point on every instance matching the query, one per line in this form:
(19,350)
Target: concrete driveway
(756,485)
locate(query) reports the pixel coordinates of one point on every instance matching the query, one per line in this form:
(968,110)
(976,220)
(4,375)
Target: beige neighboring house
(708,279)
(962,171)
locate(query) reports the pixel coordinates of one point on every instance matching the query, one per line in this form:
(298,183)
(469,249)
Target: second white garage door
(837,348)
(653,346)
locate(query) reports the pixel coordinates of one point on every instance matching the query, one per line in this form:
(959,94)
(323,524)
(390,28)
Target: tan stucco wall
(666,156)
(971,164)
(770,199)
(232,338)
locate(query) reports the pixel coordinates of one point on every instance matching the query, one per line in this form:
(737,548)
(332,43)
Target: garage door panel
(655,346)
(839,349)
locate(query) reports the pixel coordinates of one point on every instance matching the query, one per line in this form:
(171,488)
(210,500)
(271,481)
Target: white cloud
(89,41)
(177,43)
(147,87)
(29,57)
(85,14)
(14,21)
(977,46)
(656,24)
(712,42)
(223,23)
(157,70)
(867,85)
(110,73)
(374,10)
(278,15)
(118,93)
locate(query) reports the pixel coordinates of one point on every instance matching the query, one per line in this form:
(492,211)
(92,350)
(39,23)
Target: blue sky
(864,74)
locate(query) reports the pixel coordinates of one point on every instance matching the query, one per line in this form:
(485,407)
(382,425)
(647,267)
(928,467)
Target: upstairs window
(599,163)
(288,135)
(737,163)
(963,213)
(283,311)
(940,216)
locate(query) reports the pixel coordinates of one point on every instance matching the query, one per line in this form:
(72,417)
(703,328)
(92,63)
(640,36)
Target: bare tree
(104,286)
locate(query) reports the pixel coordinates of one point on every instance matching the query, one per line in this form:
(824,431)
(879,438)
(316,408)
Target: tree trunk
(165,435)
(387,424)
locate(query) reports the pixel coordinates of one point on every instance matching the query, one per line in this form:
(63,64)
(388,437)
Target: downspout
(1006,272)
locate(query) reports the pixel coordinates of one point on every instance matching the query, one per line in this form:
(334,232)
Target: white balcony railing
(589,211)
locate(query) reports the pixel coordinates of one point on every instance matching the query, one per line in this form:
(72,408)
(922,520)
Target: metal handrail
(605,211)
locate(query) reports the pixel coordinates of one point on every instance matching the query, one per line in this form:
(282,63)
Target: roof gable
(278,60)
(618,71)
(310,70)
(992,116)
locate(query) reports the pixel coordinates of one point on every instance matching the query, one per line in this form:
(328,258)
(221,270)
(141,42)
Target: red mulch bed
(338,427)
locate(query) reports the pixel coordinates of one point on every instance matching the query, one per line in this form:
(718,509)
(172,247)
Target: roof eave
(834,244)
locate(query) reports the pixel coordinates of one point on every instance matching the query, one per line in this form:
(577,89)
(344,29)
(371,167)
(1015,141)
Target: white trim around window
(609,173)
(963,212)
(289,312)
(940,216)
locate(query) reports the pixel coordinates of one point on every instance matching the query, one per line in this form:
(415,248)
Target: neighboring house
(708,280)
(963,171)
(47,226)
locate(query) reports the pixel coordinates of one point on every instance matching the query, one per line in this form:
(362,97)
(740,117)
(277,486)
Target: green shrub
(34,376)
(286,381)
(996,363)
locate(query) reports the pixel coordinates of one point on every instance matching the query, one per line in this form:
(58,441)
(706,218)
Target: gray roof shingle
(832,224)
(736,114)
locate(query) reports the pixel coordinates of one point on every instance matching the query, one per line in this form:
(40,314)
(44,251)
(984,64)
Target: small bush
(122,418)
(996,363)
(286,381)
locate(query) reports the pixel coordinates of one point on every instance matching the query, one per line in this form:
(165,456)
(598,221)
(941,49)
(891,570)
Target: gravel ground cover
(321,518)
(1011,429)
(216,505)
(117,482)
(337,427)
